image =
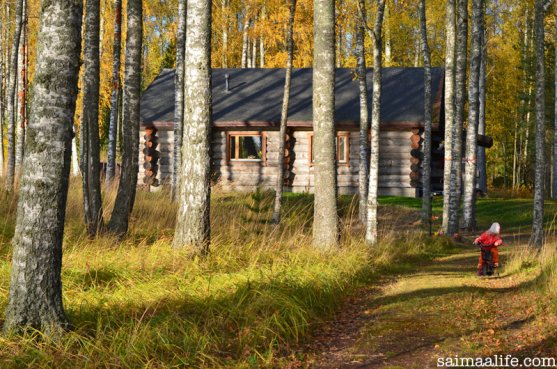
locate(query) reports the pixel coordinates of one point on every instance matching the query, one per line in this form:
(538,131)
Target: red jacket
(489,239)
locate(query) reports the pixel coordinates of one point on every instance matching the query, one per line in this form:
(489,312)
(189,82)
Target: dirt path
(442,311)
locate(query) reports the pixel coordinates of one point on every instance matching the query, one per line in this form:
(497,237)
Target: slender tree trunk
(115,94)
(450,50)
(417,51)
(325,216)
(373,190)
(179,95)
(90,161)
(245,41)
(2,97)
(35,297)
(261,52)
(75,160)
(10,175)
(426,168)
(470,162)
(224,8)
(482,167)
(254,51)
(284,115)
(537,237)
(363,175)
(515,155)
(21,94)
(554,182)
(193,226)
(123,205)
(388,46)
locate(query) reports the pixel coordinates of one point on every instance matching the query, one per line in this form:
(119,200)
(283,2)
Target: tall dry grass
(138,302)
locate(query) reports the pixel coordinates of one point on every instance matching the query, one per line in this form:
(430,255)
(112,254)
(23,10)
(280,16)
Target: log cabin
(246,107)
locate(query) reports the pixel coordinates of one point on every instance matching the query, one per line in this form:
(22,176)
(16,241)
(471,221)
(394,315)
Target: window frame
(339,135)
(236,136)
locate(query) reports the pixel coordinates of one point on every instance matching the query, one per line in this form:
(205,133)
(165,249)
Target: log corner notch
(151,157)
(288,157)
(416,157)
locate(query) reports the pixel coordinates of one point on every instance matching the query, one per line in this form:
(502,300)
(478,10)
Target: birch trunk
(224,9)
(388,46)
(325,216)
(193,226)
(450,34)
(284,114)
(75,160)
(2,96)
(554,179)
(21,94)
(115,94)
(426,166)
(245,41)
(2,99)
(90,161)
(537,237)
(470,162)
(373,190)
(455,188)
(482,167)
(363,175)
(179,95)
(261,52)
(35,297)
(130,146)
(12,82)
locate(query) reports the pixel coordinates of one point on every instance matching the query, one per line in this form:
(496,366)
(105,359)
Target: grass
(139,303)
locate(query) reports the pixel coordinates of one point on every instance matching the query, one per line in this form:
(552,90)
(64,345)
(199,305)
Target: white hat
(495,228)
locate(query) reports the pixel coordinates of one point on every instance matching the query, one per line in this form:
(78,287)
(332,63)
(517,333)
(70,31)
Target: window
(246,146)
(343,148)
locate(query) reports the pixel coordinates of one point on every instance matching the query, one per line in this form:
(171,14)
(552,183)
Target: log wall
(395,164)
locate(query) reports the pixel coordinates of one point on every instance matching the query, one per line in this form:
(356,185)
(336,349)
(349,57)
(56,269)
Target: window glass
(251,147)
(341,149)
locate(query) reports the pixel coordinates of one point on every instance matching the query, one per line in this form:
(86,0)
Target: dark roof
(255,96)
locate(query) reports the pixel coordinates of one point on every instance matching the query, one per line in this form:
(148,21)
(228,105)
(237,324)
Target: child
(491,239)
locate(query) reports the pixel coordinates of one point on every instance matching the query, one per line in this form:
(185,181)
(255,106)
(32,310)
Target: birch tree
(21,92)
(482,167)
(363,175)
(90,146)
(115,94)
(125,197)
(470,161)
(426,166)
(554,184)
(284,114)
(537,237)
(193,228)
(372,200)
(450,49)
(12,83)
(2,99)
(35,297)
(325,216)
(179,94)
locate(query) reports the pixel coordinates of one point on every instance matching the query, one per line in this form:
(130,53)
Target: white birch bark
(470,161)
(325,216)
(35,297)
(11,94)
(363,175)
(21,92)
(115,94)
(179,96)
(277,208)
(225,25)
(2,97)
(193,228)
(482,167)
(90,161)
(125,197)
(537,237)
(426,165)
(455,187)
(450,66)
(245,40)
(372,199)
